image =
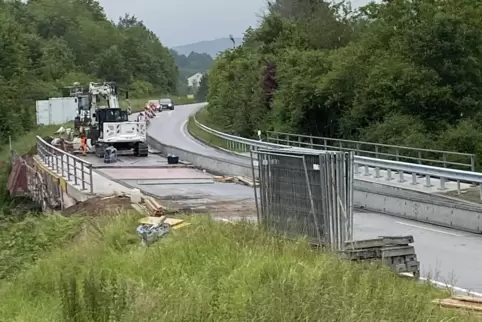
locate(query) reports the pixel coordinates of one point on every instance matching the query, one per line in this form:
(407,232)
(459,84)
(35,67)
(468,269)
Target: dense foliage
(402,72)
(49,44)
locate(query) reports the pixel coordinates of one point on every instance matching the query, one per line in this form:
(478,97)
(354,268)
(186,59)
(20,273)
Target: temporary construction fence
(306,192)
(26,180)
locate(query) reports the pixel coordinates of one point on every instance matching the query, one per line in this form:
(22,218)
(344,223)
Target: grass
(202,117)
(139,103)
(209,271)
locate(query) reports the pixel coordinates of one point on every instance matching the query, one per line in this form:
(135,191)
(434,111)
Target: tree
(49,44)
(202,90)
(398,72)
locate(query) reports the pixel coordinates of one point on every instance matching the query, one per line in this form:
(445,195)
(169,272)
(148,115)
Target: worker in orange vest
(83,144)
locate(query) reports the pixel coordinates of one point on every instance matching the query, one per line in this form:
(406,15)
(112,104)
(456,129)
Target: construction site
(292,192)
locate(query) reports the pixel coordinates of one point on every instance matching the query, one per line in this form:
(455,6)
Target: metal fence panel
(308,194)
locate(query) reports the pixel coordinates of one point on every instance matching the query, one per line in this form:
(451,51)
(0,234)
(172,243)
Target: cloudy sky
(180,22)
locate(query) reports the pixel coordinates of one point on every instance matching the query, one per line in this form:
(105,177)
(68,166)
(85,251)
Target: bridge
(416,195)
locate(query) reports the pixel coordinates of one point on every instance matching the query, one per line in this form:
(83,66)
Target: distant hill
(210,47)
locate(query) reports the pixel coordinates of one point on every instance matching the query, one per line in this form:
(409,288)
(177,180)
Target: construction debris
(172,222)
(153,228)
(395,252)
(156,209)
(461,302)
(151,233)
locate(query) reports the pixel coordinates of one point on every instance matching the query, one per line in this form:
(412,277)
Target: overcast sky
(181,22)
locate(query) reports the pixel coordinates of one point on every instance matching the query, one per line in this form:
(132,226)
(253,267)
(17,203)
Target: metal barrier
(378,168)
(464,161)
(68,166)
(306,193)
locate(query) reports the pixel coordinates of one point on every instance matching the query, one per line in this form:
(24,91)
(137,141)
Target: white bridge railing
(364,165)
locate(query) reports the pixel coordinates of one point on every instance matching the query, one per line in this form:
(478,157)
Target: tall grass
(209,271)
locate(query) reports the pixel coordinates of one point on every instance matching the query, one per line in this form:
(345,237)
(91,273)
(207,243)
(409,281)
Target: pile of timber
(237,179)
(462,302)
(395,252)
(153,208)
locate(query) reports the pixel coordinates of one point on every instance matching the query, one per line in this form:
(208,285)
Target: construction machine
(107,125)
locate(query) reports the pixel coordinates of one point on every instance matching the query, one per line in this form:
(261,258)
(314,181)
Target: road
(446,255)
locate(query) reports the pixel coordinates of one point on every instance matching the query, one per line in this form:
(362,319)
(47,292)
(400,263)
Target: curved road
(446,255)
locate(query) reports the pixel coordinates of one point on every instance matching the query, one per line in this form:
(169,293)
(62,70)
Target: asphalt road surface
(446,255)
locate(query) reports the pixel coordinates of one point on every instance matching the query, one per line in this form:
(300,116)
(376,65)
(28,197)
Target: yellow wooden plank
(184,224)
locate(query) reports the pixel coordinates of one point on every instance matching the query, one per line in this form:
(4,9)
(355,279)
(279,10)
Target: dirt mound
(99,205)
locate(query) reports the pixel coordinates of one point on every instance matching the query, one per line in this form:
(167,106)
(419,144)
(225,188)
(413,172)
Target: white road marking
(452,288)
(429,229)
(184,132)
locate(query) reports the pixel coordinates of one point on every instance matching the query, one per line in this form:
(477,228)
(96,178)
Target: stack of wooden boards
(173,223)
(462,302)
(395,252)
(237,179)
(154,208)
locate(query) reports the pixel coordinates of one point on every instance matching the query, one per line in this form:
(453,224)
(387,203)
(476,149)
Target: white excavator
(107,125)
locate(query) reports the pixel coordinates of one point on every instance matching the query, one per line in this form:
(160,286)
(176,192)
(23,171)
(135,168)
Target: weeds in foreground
(209,271)
(97,297)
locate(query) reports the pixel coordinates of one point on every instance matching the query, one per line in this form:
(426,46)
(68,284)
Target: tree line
(405,72)
(49,44)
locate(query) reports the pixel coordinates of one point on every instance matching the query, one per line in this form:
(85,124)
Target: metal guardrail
(68,166)
(464,161)
(373,166)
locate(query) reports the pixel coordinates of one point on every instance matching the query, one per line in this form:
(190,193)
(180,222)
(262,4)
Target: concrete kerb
(399,202)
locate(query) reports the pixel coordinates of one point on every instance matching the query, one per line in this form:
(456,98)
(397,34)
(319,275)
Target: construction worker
(83,144)
(58,143)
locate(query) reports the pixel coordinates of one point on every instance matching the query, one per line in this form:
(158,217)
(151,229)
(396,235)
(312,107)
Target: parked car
(166,103)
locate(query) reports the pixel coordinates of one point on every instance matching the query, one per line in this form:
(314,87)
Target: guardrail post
(83,176)
(428,184)
(389,174)
(472,167)
(311,142)
(414,178)
(401,177)
(458,187)
(62,164)
(75,171)
(377,172)
(419,155)
(299,141)
(56,162)
(357,168)
(367,170)
(442,184)
(91,180)
(325,144)
(68,169)
(376,151)
(357,149)
(444,157)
